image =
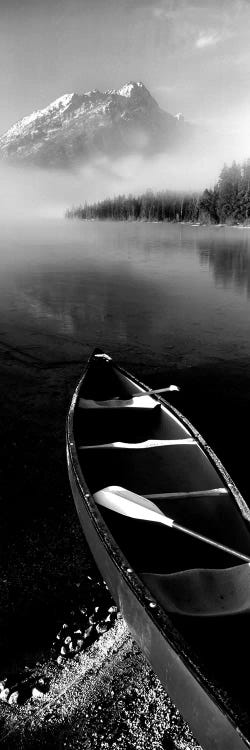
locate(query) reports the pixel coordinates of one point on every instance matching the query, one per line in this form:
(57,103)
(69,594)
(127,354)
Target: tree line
(228,202)
(150,206)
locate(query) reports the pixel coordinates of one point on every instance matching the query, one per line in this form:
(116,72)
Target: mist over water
(30,193)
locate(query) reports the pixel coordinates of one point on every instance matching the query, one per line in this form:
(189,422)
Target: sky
(194,57)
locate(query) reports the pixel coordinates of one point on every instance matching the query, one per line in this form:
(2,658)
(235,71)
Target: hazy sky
(193,56)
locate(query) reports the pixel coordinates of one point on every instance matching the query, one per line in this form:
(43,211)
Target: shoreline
(105,699)
(157,221)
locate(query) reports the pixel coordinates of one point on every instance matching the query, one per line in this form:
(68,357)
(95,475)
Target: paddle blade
(130,504)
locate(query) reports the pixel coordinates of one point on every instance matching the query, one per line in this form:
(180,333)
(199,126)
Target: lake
(171,303)
(155,295)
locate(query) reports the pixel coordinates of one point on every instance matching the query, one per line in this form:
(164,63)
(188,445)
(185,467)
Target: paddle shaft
(130,504)
(206,539)
(157,390)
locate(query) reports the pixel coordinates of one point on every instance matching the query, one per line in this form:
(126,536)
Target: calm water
(172,303)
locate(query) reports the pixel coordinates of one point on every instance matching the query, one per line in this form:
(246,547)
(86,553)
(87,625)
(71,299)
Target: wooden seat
(119,445)
(144,402)
(202,592)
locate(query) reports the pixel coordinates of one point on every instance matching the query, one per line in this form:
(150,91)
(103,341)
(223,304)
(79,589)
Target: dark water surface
(169,302)
(154,295)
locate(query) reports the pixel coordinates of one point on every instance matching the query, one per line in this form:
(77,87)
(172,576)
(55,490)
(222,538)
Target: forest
(227,203)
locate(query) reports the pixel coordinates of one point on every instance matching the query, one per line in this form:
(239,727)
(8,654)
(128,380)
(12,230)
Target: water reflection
(109,305)
(144,292)
(228,257)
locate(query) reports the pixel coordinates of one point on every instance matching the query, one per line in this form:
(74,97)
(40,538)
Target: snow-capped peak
(63,102)
(127,89)
(77,126)
(59,104)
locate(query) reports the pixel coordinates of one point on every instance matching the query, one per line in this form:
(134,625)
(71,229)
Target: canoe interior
(174,468)
(220,643)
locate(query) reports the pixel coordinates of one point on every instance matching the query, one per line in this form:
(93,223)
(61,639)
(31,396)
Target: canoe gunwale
(157,615)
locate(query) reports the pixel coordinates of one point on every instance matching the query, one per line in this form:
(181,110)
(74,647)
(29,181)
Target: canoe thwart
(202,592)
(145,402)
(142,445)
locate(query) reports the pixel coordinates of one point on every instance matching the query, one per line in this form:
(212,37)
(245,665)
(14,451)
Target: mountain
(79,127)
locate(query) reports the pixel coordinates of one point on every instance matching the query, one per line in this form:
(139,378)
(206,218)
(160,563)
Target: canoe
(186,602)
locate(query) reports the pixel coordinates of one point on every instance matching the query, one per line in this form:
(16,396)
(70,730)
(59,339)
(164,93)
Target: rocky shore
(105,698)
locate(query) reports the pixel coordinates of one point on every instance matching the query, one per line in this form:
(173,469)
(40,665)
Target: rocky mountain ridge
(77,127)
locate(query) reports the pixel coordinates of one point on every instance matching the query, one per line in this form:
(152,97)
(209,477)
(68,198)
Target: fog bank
(33,193)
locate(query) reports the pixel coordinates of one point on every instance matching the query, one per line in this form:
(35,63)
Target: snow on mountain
(77,127)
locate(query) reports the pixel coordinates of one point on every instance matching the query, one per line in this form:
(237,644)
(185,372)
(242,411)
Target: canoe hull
(209,724)
(214,723)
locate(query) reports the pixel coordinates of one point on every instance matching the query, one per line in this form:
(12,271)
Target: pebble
(37,693)
(60,660)
(88,631)
(43,684)
(14,698)
(63,651)
(4,694)
(102,627)
(83,611)
(92,619)
(80,643)
(62,631)
(78,646)
(67,640)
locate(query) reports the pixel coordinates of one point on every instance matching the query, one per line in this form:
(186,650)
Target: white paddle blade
(130,504)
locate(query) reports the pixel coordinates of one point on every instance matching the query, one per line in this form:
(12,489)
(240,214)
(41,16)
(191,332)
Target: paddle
(118,403)
(158,390)
(136,506)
